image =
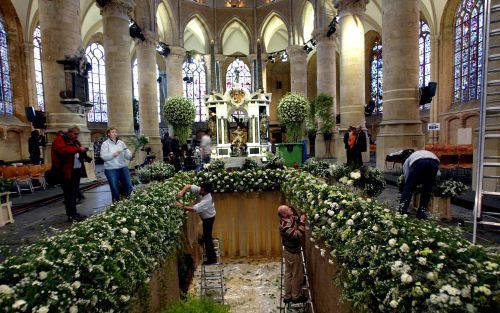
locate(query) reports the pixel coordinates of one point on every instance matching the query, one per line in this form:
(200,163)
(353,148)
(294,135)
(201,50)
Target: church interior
(412,75)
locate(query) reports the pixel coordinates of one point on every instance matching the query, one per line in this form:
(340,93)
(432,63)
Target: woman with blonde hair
(115,154)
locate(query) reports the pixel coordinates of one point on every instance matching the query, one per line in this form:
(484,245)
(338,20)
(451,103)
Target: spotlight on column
(332,27)
(271,58)
(135,31)
(309,46)
(102,3)
(163,49)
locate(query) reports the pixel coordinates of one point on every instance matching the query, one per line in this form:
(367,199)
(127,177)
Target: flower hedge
(99,264)
(386,262)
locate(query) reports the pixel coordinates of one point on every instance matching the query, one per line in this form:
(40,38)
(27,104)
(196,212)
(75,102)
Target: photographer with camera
(68,155)
(115,154)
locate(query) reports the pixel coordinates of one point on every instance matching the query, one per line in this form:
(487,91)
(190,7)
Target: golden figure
(263,127)
(239,137)
(212,120)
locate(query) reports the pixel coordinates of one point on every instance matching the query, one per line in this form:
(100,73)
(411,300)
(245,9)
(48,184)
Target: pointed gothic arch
(235,38)
(196,36)
(274,33)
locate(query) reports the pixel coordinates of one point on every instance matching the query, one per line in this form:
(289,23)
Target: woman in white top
(115,154)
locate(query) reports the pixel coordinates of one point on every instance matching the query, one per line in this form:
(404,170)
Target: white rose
(404,248)
(132,233)
(392,242)
(470,308)
(375,228)
(42,275)
(124,230)
(331,213)
(18,304)
(394,231)
(355,175)
(406,279)
(432,276)
(393,304)
(6,290)
(124,298)
(350,222)
(73,309)
(76,285)
(422,260)
(316,216)
(43,309)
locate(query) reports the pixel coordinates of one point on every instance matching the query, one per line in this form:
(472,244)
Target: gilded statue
(239,137)
(263,127)
(212,122)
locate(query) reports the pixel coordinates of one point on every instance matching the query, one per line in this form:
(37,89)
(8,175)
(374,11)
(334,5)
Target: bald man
(292,230)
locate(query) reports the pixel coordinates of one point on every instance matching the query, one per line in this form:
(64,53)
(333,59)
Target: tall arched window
(6,104)
(97,83)
(376,77)
(424,57)
(37,56)
(195,84)
(238,76)
(468,51)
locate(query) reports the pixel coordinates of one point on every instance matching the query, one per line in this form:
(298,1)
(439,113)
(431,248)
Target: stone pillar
(174,71)
(259,81)
(148,106)
(298,69)
(115,20)
(433,136)
(326,78)
(213,62)
(252,58)
(401,127)
(219,76)
(352,69)
(58,27)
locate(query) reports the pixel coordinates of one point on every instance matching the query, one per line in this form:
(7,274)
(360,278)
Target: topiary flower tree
(293,108)
(180,112)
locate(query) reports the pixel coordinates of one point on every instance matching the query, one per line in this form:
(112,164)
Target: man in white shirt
(205,208)
(206,147)
(421,167)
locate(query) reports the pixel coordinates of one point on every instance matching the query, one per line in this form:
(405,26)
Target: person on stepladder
(292,230)
(205,208)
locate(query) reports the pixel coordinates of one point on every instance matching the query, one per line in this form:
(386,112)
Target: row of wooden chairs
(439,149)
(24,175)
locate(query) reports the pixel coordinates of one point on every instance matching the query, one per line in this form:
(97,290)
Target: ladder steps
(491,193)
(494,57)
(492,136)
(494,82)
(488,223)
(493,109)
(491,176)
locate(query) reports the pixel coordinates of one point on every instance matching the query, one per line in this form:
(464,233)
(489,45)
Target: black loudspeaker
(426,93)
(337,119)
(30,113)
(40,120)
(278,84)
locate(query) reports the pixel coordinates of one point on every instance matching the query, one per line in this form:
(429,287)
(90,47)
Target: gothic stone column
(352,69)
(148,105)
(401,127)
(117,41)
(298,69)
(174,71)
(58,27)
(327,76)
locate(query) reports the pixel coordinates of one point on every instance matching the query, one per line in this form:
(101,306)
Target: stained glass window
(37,56)
(468,51)
(376,77)
(195,84)
(238,76)
(6,105)
(424,57)
(135,84)
(97,83)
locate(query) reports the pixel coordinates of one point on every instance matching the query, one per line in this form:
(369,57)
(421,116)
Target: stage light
(271,58)
(163,49)
(135,31)
(332,27)
(102,3)
(284,56)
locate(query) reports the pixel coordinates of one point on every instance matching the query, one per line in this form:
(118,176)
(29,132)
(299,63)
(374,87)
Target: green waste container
(291,153)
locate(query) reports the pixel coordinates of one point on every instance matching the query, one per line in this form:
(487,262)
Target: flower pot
(291,153)
(439,207)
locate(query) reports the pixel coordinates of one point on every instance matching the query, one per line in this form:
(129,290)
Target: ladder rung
(495,32)
(492,136)
(491,193)
(494,57)
(492,176)
(491,164)
(493,82)
(488,223)
(495,157)
(493,109)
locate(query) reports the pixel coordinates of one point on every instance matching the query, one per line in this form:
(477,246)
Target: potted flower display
(293,108)
(323,104)
(180,112)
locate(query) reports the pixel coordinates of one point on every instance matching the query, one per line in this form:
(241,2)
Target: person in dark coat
(167,146)
(34,143)
(176,146)
(359,146)
(349,141)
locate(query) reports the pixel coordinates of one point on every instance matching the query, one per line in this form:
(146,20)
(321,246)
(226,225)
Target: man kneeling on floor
(205,208)
(292,231)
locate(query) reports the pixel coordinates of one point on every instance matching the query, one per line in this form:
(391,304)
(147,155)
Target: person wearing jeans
(421,167)
(204,206)
(115,154)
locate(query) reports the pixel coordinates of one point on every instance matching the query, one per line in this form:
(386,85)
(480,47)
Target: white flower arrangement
(180,112)
(292,111)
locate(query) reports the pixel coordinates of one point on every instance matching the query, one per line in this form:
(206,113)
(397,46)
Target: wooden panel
(247,223)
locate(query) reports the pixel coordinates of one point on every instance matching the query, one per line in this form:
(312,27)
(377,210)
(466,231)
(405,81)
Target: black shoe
(424,214)
(287,300)
(300,299)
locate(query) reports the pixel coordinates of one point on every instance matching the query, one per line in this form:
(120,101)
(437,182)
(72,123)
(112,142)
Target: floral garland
(158,171)
(292,110)
(242,181)
(445,189)
(392,263)
(180,112)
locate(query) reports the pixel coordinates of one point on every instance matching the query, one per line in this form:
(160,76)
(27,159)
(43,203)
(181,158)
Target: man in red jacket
(67,158)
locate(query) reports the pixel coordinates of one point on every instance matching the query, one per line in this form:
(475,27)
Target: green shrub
(249,164)
(158,171)
(195,305)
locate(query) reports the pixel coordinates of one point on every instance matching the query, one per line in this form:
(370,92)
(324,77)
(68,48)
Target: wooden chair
(5,209)
(448,162)
(38,173)
(24,178)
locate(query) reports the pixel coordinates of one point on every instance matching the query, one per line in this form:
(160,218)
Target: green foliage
(242,181)
(195,305)
(6,184)
(157,171)
(215,165)
(249,164)
(274,162)
(444,189)
(138,142)
(324,104)
(135,112)
(311,122)
(292,111)
(180,112)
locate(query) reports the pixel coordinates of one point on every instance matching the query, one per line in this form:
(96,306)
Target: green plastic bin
(291,153)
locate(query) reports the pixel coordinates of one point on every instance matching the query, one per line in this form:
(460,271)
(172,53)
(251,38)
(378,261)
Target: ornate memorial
(239,122)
